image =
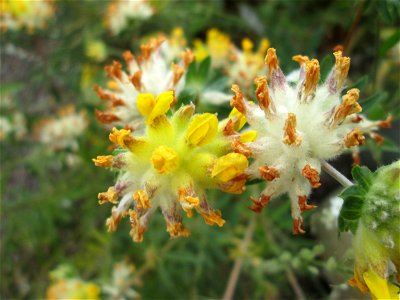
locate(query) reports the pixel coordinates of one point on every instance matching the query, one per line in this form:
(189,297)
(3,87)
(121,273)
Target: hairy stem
(235,272)
(335,174)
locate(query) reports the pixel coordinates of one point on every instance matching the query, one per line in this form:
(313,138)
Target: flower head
(247,64)
(61,133)
(170,167)
(218,46)
(66,284)
(123,279)
(296,127)
(150,72)
(25,13)
(175,43)
(119,12)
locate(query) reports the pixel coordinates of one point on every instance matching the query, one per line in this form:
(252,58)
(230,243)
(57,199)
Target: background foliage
(49,212)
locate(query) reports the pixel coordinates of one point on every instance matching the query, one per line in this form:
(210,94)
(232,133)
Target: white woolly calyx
(297,127)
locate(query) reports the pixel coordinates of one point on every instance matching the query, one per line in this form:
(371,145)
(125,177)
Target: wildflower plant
(178,149)
(171,166)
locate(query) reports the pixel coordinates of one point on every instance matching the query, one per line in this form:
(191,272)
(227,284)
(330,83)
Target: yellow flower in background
(25,13)
(73,289)
(174,45)
(247,64)
(66,284)
(171,166)
(296,127)
(96,50)
(218,46)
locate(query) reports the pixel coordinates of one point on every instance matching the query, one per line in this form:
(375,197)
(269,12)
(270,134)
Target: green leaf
(363,176)
(390,145)
(350,212)
(389,43)
(186,96)
(204,68)
(354,191)
(368,103)
(11,87)
(347,225)
(191,73)
(360,83)
(326,66)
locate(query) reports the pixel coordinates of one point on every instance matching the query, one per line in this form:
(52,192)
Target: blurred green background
(50,216)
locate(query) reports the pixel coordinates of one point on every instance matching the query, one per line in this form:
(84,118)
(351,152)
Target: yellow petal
(247,45)
(162,105)
(164,159)
(248,136)
(145,104)
(264,45)
(379,287)
(92,291)
(202,129)
(229,166)
(239,118)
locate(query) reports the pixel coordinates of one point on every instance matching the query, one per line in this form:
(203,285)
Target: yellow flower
(247,64)
(73,289)
(25,13)
(170,167)
(202,129)
(151,108)
(96,50)
(229,166)
(218,46)
(380,288)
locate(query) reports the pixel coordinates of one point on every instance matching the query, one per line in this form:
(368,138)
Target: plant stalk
(335,174)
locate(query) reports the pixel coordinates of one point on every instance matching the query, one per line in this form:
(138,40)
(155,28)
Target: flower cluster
(170,167)
(66,284)
(296,127)
(123,278)
(240,65)
(150,72)
(25,13)
(61,133)
(119,12)
(217,46)
(247,64)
